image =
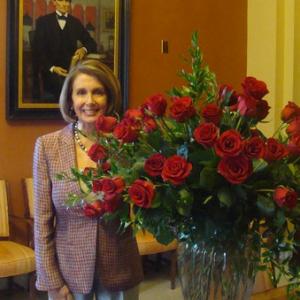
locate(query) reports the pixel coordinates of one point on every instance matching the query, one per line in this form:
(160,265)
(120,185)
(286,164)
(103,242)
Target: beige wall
(222,28)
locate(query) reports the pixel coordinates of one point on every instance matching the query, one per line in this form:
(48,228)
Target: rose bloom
(290,111)
(112,202)
(89,170)
(227,91)
(235,169)
(212,113)
(156,104)
(274,150)
(254,147)
(109,185)
(206,134)
(285,197)
(294,145)
(94,209)
(106,124)
(142,193)
(182,109)
(126,131)
(97,152)
(247,106)
(294,127)
(254,88)
(176,169)
(229,143)
(154,164)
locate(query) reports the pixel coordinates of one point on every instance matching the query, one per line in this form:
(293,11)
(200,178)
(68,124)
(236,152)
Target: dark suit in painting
(53,46)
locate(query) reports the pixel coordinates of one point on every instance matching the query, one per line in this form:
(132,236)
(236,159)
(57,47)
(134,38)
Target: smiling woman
(103,255)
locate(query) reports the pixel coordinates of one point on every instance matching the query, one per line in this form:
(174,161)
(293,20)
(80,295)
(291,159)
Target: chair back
(28,190)
(4,224)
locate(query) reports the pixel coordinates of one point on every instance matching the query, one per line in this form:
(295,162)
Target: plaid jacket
(67,252)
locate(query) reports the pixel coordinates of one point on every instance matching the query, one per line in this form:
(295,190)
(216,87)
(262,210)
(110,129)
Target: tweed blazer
(71,248)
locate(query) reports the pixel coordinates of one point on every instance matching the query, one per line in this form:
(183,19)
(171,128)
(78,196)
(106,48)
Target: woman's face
(89,100)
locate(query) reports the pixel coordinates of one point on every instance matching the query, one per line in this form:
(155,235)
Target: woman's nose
(90,98)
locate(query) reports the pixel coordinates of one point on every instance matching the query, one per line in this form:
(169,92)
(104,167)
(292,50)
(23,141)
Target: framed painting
(44,38)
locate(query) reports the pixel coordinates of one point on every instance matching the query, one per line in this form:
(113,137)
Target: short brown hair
(103,74)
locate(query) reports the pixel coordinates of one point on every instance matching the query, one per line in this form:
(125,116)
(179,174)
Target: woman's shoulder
(54,136)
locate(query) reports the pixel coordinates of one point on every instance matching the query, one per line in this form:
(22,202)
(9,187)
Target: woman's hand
(62,293)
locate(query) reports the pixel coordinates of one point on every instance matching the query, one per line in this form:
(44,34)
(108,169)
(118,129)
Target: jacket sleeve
(48,274)
(85,38)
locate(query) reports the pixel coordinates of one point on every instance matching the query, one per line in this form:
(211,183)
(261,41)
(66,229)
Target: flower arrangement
(200,166)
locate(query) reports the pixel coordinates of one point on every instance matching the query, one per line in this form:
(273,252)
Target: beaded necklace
(77,137)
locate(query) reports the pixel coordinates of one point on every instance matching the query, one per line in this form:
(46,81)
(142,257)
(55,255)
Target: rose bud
(254,88)
(262,109)
(106,124)
(176,169)
(247,106)
(294,145)
(97,152)
(228,94)
(134,113)
(142,193)
(156,104)
(154,164)
(94,209)
(285,197)
(289,112)
(149,124)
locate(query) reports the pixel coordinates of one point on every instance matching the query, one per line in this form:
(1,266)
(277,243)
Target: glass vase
(211,272)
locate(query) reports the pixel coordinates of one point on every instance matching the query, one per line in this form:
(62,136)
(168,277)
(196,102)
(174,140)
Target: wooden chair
(15,259)
(148,245)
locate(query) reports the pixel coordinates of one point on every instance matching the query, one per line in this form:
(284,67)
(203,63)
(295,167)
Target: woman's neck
(86,128)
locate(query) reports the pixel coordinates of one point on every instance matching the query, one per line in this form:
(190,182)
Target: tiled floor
(156,286)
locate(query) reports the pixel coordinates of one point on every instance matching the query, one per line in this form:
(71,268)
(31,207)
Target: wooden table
(273,294)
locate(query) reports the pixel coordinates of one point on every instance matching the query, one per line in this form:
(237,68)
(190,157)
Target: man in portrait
(59,39)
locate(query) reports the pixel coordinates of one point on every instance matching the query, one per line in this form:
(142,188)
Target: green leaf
(225,196)
(208,178)
(265,205)
(279,218)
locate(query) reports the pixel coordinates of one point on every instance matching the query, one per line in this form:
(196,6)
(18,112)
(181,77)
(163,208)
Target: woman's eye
(99,92)
(81,92)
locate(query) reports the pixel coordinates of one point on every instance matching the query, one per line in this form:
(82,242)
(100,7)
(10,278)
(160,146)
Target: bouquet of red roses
(196,164)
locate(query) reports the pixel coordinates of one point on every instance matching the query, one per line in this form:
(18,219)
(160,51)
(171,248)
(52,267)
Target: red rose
(133,113)
(142,193)
(212,113)
(97,152)
(235,169)
(112,202)
(229,143)
(176,169)
(294,127)
(206,134)
(247,106)
(182,109)
(106,124)
(126,131)
(254,147)
(289,112)
(154,164)
(149,124)
(226,92)
(294,145)
(109,185)
(262,109)
(105,166)
(286,197)
(274,150)
(156,104)
(94,209)
(254,88)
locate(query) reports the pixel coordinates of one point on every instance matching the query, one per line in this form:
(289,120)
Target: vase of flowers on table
(194,166)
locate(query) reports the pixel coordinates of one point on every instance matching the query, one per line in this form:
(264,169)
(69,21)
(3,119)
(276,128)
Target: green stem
(265,190)
(168,129)
(278,129)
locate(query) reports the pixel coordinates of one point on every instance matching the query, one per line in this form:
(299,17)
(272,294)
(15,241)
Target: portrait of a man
(56,34)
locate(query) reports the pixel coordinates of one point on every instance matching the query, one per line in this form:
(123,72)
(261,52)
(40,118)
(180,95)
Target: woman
(77,255)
